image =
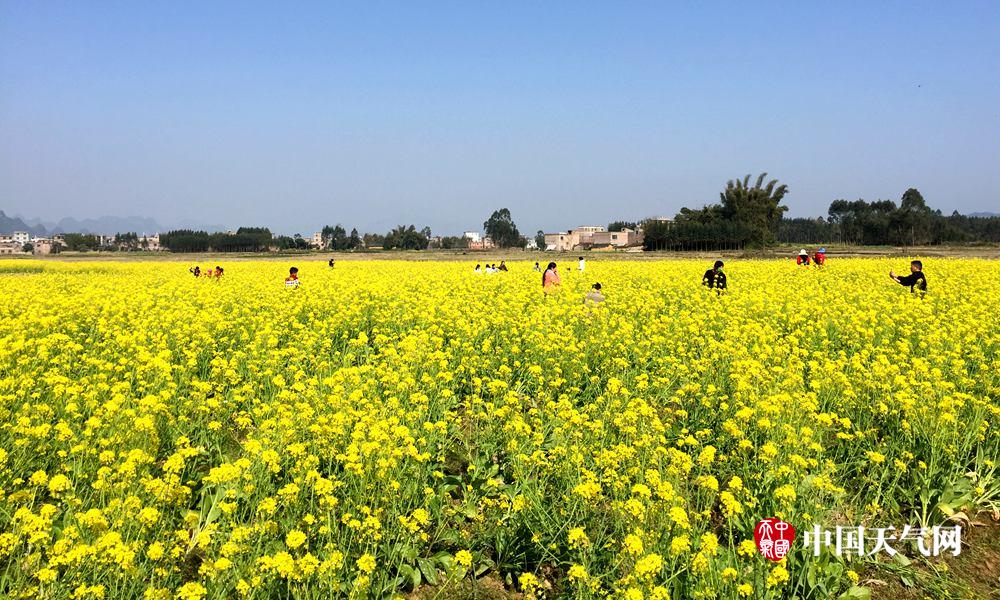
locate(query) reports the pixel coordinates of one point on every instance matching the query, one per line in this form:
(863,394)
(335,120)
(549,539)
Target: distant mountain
(195,226)
(107,225)
(99,226)
(984,214)
(9,225)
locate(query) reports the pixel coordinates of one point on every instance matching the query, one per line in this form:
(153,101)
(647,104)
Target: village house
(151,242)
(589,237)
(42,246)
(477,241)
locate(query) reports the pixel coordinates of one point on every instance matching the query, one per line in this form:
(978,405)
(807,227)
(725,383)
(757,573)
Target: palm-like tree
(758,206)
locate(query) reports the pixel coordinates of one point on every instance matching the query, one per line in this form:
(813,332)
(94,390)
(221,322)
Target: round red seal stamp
(774,538)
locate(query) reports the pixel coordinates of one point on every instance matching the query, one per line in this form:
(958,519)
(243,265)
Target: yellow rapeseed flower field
(390,426)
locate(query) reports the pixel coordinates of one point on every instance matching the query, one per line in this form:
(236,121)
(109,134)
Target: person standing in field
(803,258)
(503,266)
(550,278)
(196,271)
(583,264)
(330,263)
(538,268)
(218,271)
(820,257)
(916,279)
(292,280)
(477,270)
(715,278)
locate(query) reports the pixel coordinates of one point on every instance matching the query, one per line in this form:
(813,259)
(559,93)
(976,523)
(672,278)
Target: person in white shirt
(583,264)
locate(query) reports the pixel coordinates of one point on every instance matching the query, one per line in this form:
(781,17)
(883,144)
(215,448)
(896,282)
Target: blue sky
(372,114)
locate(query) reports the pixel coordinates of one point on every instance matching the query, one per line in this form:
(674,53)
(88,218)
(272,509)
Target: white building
(151,242)
(473,236)
(317,240)
(21,237)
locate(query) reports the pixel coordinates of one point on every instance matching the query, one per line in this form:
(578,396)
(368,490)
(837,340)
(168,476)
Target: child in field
(330,263)
(292,281)
(714,277)
(196,271)
(477,269)
(583,264)
(594,296)
(916,279)
(503,266)
(218,272)
(538,268)
(803,258)
(820,258)
(550,278)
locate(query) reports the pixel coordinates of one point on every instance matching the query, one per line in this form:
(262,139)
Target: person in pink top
(550,278)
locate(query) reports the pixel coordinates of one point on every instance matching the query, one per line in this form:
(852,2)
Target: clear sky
(294,115)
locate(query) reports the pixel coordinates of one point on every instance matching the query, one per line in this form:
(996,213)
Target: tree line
(499,227)
(746,215)
(246,239)
(749,214)
(752,216)
(882,222)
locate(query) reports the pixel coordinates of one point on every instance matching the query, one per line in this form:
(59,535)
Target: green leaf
(445,560)
(429,570)
(857,593)
(901,559)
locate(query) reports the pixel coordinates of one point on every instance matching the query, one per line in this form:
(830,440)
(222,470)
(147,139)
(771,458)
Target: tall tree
(405,238)
(501,229)
(913,222)
(540,239)
(757,207)
(354,242)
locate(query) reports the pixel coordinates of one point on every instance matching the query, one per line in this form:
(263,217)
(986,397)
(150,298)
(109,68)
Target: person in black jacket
(714,277)
(916,279)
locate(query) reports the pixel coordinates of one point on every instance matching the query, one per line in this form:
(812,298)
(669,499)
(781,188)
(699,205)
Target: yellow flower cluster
(389,425)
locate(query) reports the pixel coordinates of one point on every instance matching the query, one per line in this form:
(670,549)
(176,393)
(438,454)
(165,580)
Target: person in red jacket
(820,257)
(803,258)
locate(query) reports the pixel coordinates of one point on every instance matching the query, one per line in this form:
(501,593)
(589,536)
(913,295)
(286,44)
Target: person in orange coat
(550,278)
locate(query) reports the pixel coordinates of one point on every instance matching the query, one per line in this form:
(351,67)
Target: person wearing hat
(715,277)
(820,257)
(803,258)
